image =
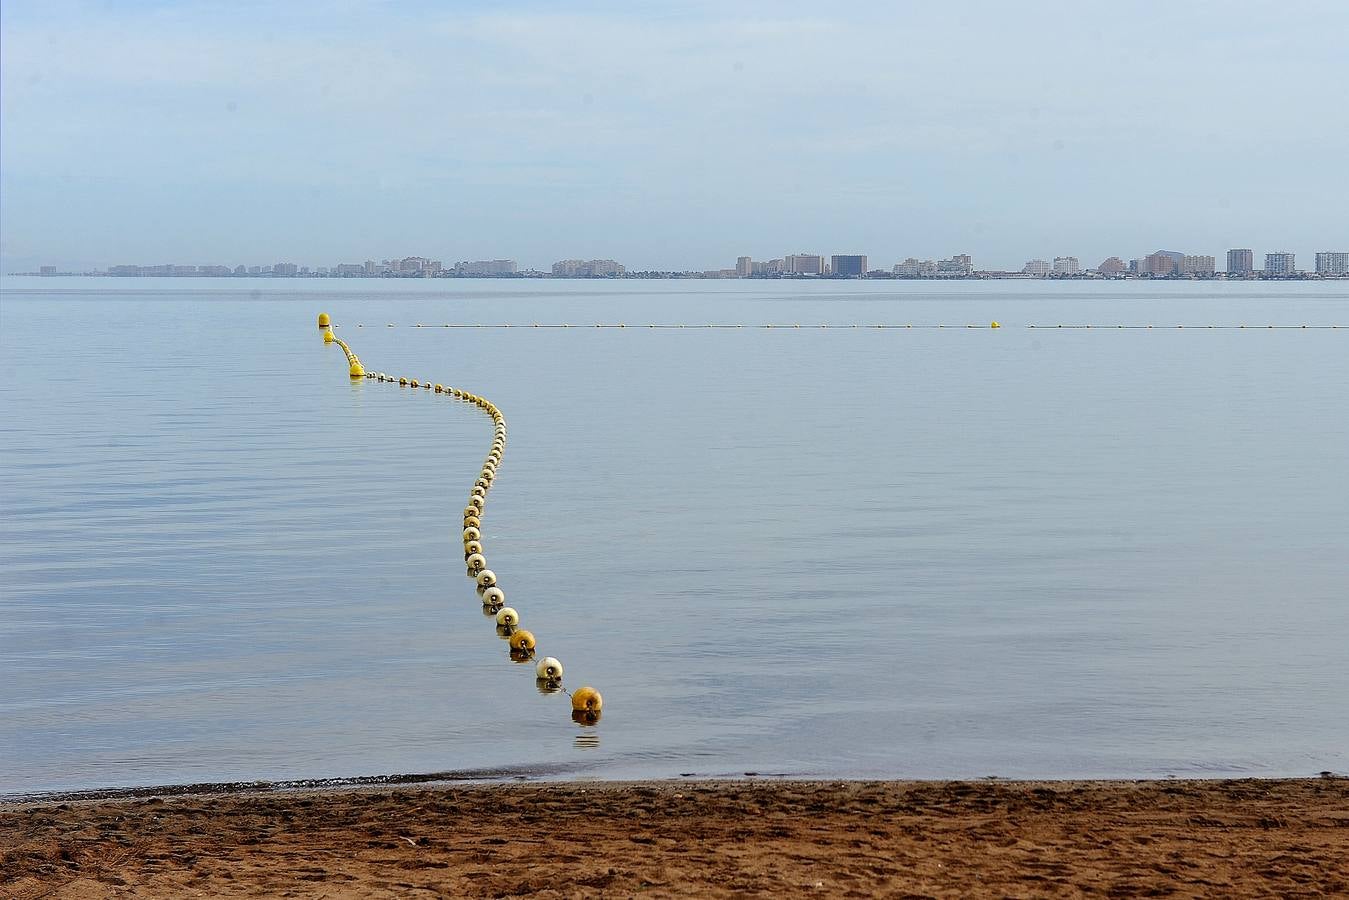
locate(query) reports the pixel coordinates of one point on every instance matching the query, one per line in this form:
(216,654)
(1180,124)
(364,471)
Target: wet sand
(709,839)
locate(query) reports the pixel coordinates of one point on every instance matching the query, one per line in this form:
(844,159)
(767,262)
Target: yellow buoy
(327,336)
(587,699)
(995,325)
(324,321)
(356,370)
(470,548)
(522,640)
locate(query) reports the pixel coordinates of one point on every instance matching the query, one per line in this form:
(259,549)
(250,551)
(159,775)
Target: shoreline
(541,777)
(687,837)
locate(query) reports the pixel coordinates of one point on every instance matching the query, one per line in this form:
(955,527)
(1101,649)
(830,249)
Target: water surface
(904,553)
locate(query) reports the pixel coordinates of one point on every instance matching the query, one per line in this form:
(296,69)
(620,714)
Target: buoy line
(1194,327)
(586,702)
(789,326)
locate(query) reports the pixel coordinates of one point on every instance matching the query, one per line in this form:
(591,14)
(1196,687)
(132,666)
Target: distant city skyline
(663,134)
(1158,264)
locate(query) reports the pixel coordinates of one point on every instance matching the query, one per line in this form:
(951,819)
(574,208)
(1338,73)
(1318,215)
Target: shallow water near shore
(893,553)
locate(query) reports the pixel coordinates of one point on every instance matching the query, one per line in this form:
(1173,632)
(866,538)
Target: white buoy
(507,616)
(487,578)
(549,669)
(493,596)
(476,562)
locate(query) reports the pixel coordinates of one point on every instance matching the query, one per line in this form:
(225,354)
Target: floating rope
(797,325)
(586,701)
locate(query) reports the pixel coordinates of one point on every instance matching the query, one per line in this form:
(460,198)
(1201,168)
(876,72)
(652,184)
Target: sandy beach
(691,838)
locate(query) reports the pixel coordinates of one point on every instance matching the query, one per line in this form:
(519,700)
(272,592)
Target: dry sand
(932,839)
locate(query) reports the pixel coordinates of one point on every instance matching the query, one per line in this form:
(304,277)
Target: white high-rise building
(1036,267)
(1066,265)
(1197,265)
(744,266)
(804,264)
(1280,263)
(1332,263)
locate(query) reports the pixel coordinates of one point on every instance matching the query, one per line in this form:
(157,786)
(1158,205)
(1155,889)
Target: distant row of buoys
(586,701)
(785,325)
(825,325)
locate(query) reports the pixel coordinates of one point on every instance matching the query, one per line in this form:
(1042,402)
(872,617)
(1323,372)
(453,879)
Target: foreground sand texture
(931,839)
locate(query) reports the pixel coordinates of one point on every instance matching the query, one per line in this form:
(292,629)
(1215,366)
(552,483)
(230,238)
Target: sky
(669,135)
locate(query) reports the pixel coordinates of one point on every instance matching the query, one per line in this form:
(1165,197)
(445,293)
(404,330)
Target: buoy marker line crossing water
(765,326)
(789,326)
(586,702)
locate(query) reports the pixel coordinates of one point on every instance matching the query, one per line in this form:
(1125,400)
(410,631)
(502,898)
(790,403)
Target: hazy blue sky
(670,135)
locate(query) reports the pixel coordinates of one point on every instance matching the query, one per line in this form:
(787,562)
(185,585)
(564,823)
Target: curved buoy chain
(586,702)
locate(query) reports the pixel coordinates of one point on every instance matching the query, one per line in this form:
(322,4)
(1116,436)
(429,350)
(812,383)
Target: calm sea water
(899,553)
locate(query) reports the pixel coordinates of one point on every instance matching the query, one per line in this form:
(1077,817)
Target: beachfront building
(1198,265)
(768,267)
(848,266)
(1066,265)
(1036,267)
(1240,262)
(960,264)
(593,268)
(1279,264)
(485,267)
(1332,263)
(803,264)
(744,267)
(1111,266)
(1161,264)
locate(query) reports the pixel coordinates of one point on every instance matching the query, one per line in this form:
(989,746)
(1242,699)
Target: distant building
(46,270)
(1332,263)
(768,267)
(1197,265)
(594,268)
(1112,266)
(240,270)
(1240,262)
(803,264)
(214,271)
(744,266)
(285,270)
(924,268)
(486,267)
(848,266)
(1279,264)
(349,270)
(1162,263)
(1067,265)
(1036,267)
(960,264)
